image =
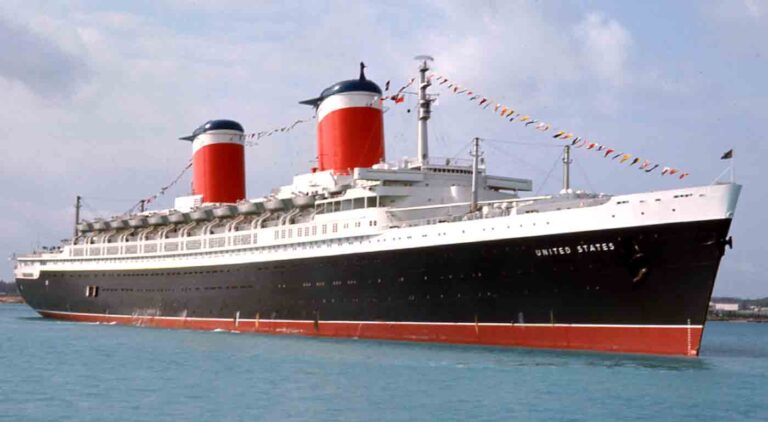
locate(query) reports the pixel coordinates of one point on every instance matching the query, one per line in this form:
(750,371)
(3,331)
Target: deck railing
(159,246)
(276,236)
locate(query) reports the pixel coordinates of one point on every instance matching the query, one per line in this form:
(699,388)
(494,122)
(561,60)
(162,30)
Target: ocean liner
(424,249)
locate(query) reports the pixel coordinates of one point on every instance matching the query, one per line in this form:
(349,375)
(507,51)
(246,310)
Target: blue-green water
(70,371)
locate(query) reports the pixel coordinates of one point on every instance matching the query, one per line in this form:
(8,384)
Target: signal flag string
(397,97)
(251,139)
(152,198)
(512,115)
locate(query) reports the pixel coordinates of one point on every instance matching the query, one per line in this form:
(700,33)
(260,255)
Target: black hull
(650,275)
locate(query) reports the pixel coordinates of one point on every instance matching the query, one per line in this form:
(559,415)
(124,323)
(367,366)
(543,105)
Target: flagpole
(733,169)
(717,179)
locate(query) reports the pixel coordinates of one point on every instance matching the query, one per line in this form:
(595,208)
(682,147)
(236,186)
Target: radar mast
(425,103)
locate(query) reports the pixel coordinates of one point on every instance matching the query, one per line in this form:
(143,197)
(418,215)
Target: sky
(95,95)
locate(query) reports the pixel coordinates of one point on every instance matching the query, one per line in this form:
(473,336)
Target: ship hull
(639,290)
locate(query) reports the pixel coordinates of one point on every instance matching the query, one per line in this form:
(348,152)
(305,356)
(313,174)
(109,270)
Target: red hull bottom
(680,340)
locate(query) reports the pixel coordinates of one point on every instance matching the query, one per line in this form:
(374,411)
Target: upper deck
(370,229)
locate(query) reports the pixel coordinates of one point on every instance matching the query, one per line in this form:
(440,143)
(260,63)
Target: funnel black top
(352,85)
(213,125)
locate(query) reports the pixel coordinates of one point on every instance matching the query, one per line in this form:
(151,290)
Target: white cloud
(754,7)
(605,46)
(738,28)
(38,63)
(510,47)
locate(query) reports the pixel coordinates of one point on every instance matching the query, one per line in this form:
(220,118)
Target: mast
(425,103)
(475,164)
(567,169)
(78,204)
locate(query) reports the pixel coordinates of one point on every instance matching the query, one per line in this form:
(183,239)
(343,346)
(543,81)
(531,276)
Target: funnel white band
(222,136)
(348,100)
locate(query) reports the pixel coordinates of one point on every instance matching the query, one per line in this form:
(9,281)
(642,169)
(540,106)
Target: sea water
(65,371)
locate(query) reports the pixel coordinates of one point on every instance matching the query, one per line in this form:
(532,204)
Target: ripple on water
(70,371)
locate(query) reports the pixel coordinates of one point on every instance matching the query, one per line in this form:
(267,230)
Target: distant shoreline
(11,299)
(760,319)
(710,317)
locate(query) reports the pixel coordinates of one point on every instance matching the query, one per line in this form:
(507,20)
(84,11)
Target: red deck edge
(658,340)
